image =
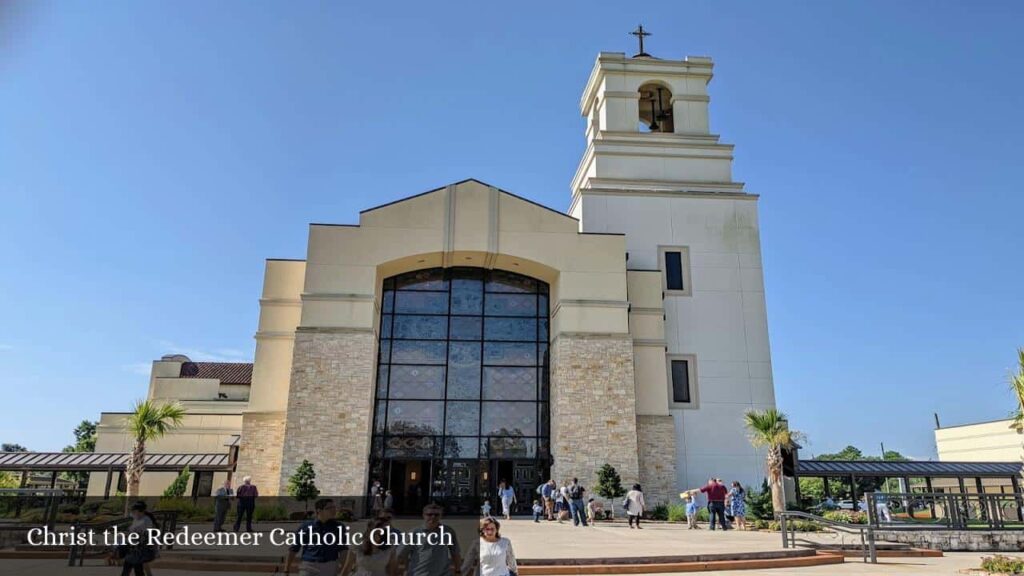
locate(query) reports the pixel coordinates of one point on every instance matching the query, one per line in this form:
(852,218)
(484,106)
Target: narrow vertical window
(674,271)
(674,262)
(681,381)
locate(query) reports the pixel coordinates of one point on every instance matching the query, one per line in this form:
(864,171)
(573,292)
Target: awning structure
(908,469)
(117,461)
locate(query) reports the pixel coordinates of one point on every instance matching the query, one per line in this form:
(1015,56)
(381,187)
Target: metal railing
(945,510)
(166,521)
(14,500)
(787,526)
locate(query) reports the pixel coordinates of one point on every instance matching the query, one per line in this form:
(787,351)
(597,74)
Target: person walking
(137,556)
(318,543)
(547,493)
(221,505)
(435,559)
(635,505)
(246,496)
(369,559)
(508,498)
(491,554)
(691,510)
(716,492)
(576,506)
(738,505)
(376,498)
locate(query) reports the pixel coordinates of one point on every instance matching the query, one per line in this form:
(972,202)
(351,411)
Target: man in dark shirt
(576,505)
(716,492)
(246,495)
(320,542)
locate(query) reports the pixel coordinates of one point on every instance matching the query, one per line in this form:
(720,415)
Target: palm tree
(769,429)
(1017,386)
(148,421)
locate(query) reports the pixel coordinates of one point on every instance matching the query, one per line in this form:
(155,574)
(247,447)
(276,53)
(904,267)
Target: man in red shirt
(716,492)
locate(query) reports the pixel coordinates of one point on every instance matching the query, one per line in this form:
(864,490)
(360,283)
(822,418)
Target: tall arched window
(462,386)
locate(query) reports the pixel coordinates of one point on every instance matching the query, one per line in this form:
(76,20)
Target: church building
(467,335)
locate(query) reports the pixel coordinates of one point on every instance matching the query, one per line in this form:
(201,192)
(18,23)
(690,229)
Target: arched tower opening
(655,108)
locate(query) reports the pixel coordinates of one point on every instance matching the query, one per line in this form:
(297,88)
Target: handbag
(625,503)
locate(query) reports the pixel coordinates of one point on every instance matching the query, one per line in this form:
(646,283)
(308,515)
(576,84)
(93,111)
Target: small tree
(609,483)
(177,488)
(301,485)
(759,503)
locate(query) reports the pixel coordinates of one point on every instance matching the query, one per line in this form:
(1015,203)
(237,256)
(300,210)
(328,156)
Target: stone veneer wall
(330,409)
(656,437)
(259,453)
(593,407)
(957,540)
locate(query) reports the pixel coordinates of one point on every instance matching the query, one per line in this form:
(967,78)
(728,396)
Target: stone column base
(259,453)
(656,437)
(330,409)
(593,408)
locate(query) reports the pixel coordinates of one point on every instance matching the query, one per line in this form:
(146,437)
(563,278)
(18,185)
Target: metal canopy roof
(94,461)
(913,469)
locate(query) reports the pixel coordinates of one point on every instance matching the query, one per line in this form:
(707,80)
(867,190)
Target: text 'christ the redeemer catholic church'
(467,335)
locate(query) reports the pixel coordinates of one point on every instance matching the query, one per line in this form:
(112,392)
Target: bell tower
(647,130)
(653,171)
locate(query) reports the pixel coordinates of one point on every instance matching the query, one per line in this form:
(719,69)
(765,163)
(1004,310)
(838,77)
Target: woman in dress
(491,554)
(635,505)
(508,497)
(738,505)
(368,559)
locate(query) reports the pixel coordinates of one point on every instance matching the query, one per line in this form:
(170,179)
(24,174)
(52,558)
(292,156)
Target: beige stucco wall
(202,433)
(983,442)
(466,224)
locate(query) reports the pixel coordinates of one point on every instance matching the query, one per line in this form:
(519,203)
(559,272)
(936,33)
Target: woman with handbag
(634,504)
(491,554)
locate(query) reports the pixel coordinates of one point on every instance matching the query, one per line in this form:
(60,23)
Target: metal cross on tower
(639,33)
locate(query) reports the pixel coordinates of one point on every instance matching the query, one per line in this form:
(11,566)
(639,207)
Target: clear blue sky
(153,154)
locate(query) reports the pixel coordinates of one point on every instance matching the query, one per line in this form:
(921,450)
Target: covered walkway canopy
(109,462)
(853,469)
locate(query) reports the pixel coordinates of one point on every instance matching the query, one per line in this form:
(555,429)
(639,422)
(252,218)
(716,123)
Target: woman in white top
(635,507)
(368,559)
(508,497)
(490,555)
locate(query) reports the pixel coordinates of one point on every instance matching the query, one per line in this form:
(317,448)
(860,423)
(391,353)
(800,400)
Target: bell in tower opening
(655,108)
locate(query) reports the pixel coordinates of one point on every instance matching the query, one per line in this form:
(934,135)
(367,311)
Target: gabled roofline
(481,182)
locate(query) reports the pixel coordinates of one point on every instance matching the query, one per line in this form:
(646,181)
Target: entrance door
(523,476)
(409,482)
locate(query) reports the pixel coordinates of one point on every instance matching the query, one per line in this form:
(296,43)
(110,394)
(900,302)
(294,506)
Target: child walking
(537,510)
(691,511)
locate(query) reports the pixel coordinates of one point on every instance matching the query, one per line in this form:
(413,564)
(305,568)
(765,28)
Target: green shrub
(760,524)
(797,525)
(660,512)
(677,513)
(759,502)
(270,513)
(1003,564)
(178,486)
(848,516)
(702,514)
